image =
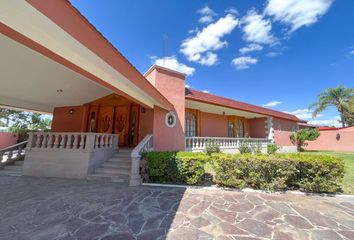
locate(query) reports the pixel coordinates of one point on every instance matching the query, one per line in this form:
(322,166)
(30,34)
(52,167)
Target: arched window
(190,125)
(240,131)
(231,129)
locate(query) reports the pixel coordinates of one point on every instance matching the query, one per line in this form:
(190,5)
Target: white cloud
(352,52)
(273,54)
(272,104)
(200,48)
(187,86)
(256,29)
(232,11)
(243,62)
(303,113)
(172,63)
(297,13)
(251,48)
(205,91)
(207,15)
(327,122)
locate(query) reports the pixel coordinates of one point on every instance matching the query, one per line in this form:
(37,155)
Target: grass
(348,181)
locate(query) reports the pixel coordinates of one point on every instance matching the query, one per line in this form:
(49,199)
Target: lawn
(348,183)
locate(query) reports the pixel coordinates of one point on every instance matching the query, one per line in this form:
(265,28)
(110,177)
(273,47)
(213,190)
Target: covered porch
(54,61)
(226,127)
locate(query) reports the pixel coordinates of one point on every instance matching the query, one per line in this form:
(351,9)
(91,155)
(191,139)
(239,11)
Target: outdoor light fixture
(223,113)
(143,110)
(71,111)
(338,136)
(59,90)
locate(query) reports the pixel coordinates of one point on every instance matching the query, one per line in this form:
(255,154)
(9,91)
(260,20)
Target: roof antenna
(164,47)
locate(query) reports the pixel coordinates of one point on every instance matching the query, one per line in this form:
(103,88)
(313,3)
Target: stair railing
(145,145)
(11,154)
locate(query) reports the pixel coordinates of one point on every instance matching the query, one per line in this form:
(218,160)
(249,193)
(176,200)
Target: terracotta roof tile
(230,103)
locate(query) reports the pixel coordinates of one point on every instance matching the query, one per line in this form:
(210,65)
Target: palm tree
(337,97)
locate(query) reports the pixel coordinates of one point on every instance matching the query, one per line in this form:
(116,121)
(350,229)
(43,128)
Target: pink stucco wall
(146,123)
(7,139)
(172,86)
(63,121)
(328,140)
(257,128)
(213,125)
(282,131)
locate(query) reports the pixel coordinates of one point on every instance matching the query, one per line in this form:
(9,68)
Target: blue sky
(277,52)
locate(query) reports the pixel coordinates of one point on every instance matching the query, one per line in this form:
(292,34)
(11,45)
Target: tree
(19,121)
(337,97)
(300,137)
(349,113)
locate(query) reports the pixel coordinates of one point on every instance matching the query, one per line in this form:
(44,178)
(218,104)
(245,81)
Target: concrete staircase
(12,170)
(116,169)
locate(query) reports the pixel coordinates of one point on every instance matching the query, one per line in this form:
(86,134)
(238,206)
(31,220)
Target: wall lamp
(71,111)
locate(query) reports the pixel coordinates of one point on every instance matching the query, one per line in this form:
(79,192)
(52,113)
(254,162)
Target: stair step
(115,165)
(113,171)
(116,155)
(108,178)
(120,159)
(19,163)
(13,167)
(12,173)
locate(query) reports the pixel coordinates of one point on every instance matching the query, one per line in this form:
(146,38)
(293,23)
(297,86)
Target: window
(240,131)
(190,125)
(231,129)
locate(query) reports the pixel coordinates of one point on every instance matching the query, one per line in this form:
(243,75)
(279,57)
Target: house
(54,61)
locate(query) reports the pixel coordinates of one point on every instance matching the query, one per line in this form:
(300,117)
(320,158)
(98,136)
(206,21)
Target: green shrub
(272,149)
(256,149)
(312,173)
(244,149)
(172,167)
(317,173)
(212,147)
(256,171)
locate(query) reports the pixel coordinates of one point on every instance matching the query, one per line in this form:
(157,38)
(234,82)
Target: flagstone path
(43,208)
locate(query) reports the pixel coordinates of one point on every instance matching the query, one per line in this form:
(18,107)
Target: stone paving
(39,208)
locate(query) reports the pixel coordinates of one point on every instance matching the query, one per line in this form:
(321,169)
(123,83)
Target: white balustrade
(73,141)
(145,145)
(12,153)
(200,143)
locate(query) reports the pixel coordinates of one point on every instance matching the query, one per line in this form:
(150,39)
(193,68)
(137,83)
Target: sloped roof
(199,96)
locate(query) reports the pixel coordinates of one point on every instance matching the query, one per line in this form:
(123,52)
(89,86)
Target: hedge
(311,173)
(176,167)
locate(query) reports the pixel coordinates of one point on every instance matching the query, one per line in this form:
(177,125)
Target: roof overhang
(216,109)
(59,33)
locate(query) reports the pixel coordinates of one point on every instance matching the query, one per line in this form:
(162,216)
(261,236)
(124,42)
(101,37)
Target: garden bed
(310,173)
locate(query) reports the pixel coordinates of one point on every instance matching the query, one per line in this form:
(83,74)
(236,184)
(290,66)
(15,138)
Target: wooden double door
(116,114)
(122,120)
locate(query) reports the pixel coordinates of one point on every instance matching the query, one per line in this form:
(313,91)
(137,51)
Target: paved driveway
(39,208)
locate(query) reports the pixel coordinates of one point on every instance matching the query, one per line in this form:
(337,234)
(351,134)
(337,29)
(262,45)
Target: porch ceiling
(28,80)
(210,108)
(72,42)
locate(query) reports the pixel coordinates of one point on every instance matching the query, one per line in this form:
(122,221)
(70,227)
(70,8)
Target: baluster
(82,141)
(97,141)
(102,141)
(1,156)
(56,141)
(38,139)
(62,141)
(9,156)
(76,141)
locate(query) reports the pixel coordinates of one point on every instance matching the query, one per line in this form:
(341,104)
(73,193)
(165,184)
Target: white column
(270,128)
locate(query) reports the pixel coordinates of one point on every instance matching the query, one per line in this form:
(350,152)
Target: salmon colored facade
(334,139)
(100,101)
